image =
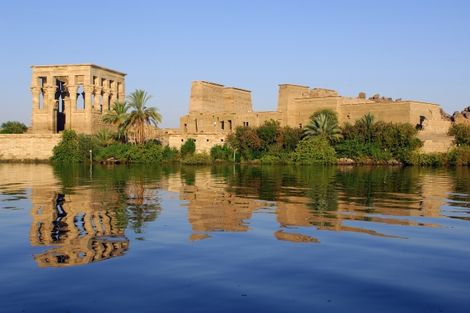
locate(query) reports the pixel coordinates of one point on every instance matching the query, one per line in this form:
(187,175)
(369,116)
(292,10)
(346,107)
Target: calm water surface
(234,239)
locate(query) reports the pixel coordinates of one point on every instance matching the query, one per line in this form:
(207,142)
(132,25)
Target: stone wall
(204,142)
(27,147)
(207,97)
(216,111)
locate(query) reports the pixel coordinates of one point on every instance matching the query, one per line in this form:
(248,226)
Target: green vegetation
(131,125)
(324,125)
(269,139)
(461,134)
(313,150)
(68,150)
(324,142)
(197,159)
(368,140)
(13,127)
(188,148)
(221,153)
(141,115)
(118,117)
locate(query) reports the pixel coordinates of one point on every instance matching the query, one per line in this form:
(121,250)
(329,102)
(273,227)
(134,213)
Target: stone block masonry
(27,147)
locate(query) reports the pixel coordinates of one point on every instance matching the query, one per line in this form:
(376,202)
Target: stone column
(88,91)
(88,108)
(50,106)
(121,93)
(36,92)
(105,100)
(112,100)
(49,98)
(73,97)
(97,99)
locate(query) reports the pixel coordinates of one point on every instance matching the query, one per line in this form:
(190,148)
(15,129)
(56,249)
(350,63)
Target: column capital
(72,88)
(88,89)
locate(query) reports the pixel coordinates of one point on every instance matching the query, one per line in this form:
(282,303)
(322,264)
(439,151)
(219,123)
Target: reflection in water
(80,237)
(278,239)
(89,223)
(325,198)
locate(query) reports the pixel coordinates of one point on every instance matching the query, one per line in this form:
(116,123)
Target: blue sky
(402,49)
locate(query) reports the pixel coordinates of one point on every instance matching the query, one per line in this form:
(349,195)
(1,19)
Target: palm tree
(141,115)
(117,116)
(323,125)
(367,123)
(104,137)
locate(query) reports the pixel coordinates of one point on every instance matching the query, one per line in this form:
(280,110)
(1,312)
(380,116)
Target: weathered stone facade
(27,147)
(215,111)
(73,96)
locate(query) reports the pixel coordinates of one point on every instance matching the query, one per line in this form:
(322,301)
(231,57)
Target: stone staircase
(435,142)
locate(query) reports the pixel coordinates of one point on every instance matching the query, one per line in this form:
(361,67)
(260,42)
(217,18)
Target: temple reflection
(79,220)
(78,233)
(328,201)
(87,224)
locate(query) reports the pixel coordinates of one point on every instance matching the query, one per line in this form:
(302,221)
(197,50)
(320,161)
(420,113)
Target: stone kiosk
(73,96)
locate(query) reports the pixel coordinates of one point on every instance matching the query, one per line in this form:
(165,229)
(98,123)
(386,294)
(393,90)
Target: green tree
(325,126)
(68,149)
(246,141)
(104,137)
(141,114)
(365,125)
(13,127)
(117,117)
(219,152)
(314,150)
(461,134)
(188,147)
(269,133)
(289,138)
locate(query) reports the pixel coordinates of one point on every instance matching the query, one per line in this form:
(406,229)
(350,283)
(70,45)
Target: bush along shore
(322,141)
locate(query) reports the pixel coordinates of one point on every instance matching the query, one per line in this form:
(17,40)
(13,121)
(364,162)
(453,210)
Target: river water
(234,239)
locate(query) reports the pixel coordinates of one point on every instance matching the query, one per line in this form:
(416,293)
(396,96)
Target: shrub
(246,141)
(270,159)
(104,137)
(13,127)
(68,149)
(428,159)
(268,133)
(289,138)
(87,143)
(149,152)
(197,159)
(118,151)
(219,152)
(378,140)
(461,134)
(460,156)
(170,154)
(314,150)
(188,147)
(397,138)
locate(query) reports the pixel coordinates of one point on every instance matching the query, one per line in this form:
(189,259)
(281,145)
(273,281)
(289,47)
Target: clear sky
(402,49)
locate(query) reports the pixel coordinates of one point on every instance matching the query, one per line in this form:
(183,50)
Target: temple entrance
(60,95)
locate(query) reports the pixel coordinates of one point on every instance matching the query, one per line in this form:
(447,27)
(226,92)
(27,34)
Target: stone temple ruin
(73,97)
(215,111)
